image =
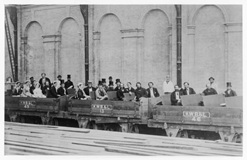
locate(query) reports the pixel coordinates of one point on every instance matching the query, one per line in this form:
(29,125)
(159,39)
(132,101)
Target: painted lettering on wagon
(27,104)
(102,107)
(196,116)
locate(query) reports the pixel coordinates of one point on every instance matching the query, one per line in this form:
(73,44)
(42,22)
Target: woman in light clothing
(37,92)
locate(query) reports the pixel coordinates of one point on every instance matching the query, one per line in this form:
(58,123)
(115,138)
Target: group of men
(61,88)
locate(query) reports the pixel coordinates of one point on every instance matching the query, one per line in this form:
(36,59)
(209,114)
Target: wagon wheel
(22,119)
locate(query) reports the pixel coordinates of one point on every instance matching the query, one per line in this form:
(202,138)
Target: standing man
(69,84)
(110,88)
(187,89)
(53,90)
(89,88)
(212,83)
(151,91)
(168,86)
(43,79)
(118,82)
(32,85)
(229,92)
(209,90)
(176,96)
(110,81)
(139,92)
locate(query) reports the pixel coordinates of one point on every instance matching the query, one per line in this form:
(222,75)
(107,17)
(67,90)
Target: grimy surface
(30,139)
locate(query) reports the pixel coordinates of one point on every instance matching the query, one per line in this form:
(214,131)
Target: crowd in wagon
(45,89)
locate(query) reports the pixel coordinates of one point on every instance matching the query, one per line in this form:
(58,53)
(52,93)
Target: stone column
(51,50)
(23,60)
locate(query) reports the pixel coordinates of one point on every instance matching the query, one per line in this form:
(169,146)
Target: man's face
(150,85)
(104,83)
(100,87)
(167,78)
(59,78)
(89,84)
(138,85)
(118,83)
(176,88)
(229,88)
(211,80)
(186,85)
(128,85)
(68,79)
(121,85)
(43,75)
(111,86)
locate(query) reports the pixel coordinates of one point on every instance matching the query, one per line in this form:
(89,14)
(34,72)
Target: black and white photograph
(96,79)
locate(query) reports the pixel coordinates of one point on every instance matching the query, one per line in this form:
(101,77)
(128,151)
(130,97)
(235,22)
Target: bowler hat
(100,83)
(59,76)
(110,77)
(68,76)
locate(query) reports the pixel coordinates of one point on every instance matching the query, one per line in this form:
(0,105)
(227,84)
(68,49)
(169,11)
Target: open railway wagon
(218,117)
(63,111)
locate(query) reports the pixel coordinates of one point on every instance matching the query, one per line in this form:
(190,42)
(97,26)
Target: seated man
(176,96)
(129,89)
(139,92)
(89,88)
(101,93)
(229,92)
(53,90)
(187,89)
(80,92)
(120,92)
(118,82)
(151,91)
(209,90)
(61,91)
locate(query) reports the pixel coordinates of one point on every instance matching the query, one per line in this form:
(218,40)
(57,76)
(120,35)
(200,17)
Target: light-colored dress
(38,93)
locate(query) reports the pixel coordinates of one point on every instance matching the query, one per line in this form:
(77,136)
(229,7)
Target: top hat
(68,76)
(228,84)
(118,80)
(211,78)
(59,76)
(103,80)
(31,78)
(100,83)
(89,81)
(110,77)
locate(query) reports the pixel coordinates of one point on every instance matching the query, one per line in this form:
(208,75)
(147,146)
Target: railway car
(217,118)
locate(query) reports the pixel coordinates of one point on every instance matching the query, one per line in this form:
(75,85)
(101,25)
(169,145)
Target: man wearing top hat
(43,79)
(110,81)
(89,88)
(69,84)
(212,83)
(118,83)
(229,92)
(61,91)
(111,86)
(104,84)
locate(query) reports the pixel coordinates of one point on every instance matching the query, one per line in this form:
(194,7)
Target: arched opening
(71,56)
(156,48)
(34,51)
(209,47)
